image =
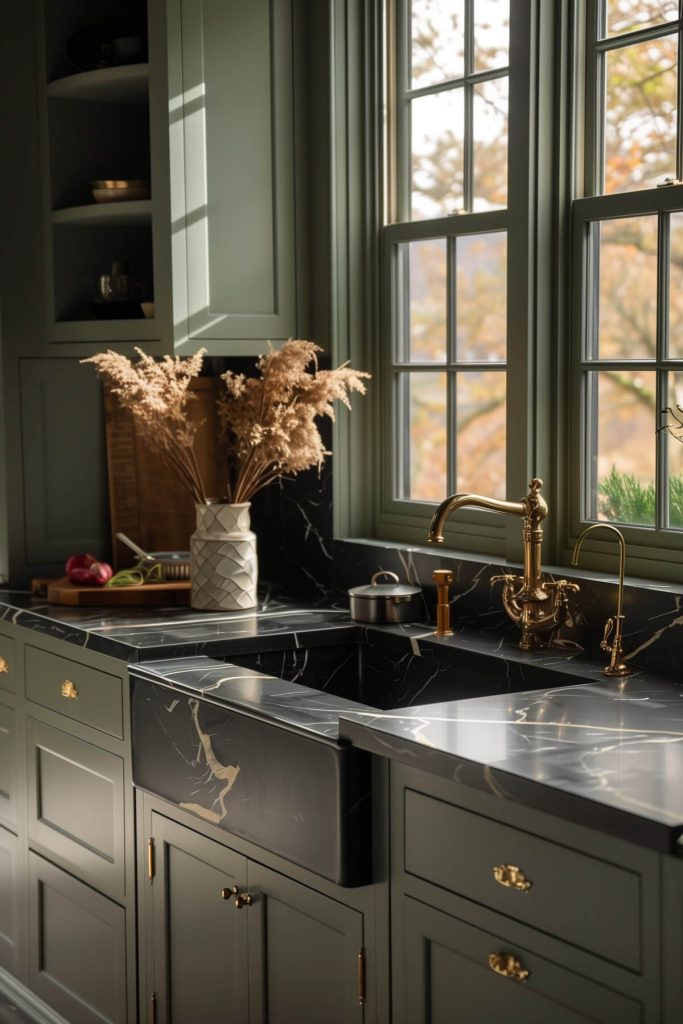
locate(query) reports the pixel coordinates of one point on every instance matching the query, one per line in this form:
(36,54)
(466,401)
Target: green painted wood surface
(64,462)
(442,974)
(303,954)
(8,770)
(584,900)
(77,947)
(10,908)
(200,947)
(76,805)
(100,697)
(238,152)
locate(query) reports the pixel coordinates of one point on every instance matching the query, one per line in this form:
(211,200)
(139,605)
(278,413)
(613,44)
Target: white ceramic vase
(223,564)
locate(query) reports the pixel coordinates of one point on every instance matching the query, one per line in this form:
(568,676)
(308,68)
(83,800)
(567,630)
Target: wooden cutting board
(148,594)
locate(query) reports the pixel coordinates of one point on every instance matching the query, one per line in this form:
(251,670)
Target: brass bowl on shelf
(119,190)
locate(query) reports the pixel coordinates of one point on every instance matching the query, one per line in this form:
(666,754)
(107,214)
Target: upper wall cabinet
(105,194)
(231,103)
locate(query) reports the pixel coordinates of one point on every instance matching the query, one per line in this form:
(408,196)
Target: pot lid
(375,591)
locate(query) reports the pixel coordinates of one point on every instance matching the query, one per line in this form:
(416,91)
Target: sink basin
(374,674)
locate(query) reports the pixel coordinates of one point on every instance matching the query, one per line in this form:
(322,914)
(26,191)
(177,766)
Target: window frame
(529,299)
(652,552)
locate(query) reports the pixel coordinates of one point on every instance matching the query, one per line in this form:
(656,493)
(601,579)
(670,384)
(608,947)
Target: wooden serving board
(147,594)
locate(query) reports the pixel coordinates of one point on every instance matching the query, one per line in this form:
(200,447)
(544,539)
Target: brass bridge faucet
(537,607)
(616,666)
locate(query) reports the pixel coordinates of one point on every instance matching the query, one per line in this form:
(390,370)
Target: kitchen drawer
(10,895)
(8,664)
(76,805)
(578,898)
(8,769)
(81,693)
(443,972)
(77,947)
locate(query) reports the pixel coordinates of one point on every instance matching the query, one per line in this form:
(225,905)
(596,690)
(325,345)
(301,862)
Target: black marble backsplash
(298,557)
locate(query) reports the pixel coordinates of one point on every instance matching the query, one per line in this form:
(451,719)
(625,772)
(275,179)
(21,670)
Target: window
(532,272)
(455,353)
(628,277)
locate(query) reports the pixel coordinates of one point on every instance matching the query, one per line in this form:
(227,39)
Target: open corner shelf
(127,83)
(123,214)
(104,331)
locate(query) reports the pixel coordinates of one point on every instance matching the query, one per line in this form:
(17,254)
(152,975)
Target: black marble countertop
(604,753)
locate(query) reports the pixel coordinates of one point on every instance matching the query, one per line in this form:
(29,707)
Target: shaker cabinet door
(198,935)
(8,766)
(304,953)
(237,159)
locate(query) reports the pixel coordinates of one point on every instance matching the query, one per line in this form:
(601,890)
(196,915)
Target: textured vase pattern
(223,564)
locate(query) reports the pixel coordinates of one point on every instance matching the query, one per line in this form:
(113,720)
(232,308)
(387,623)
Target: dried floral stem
(268,423)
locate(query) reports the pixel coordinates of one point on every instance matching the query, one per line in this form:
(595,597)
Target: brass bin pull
(508,966)
(240,899)
(69,690)
(511,877)
(4,665)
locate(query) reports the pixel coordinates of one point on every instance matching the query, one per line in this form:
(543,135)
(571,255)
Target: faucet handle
(605,645)
(562,586)
(508,579)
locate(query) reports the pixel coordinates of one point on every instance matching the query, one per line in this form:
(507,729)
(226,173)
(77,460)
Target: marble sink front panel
(304,797)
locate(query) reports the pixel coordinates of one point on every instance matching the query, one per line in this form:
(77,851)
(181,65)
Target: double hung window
(627,230)
(446,248)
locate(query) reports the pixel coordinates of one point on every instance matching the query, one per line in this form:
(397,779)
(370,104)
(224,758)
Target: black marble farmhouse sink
(250,741)
(376,675)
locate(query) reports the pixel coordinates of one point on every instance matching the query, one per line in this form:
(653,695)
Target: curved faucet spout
(616,667)
(455,501)
(526,598)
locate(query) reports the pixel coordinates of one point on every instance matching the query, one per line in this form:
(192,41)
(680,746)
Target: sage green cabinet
(10,901)
(232,171)
(199,938)
(443,973)
(232,940)
(8,773)
(77,947)
(8,664)
(513,916)
(76,805)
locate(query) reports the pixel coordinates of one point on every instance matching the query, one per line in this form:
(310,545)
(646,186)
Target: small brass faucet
(443,579)
(616,666)
(537,607)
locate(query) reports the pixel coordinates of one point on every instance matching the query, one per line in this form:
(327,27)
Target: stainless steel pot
(385,602)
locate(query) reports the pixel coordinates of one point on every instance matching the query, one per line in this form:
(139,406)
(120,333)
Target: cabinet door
(8,772)
(77,940)
(303,954)
(199,937)
(442,973)
(239,168)
(10,897)
(76,805)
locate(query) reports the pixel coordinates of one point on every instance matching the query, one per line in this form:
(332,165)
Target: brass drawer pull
(240,899)
(4,665)
(508,966)
(69,690)
(511,877)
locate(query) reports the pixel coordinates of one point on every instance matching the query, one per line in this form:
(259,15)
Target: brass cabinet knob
(511,877)
(240,899)
(4,665)
(69,690)
(508,966)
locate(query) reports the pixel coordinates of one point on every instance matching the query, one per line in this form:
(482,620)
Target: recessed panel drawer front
(450,971)
(76,805)
(588,902)
(77,947)
(84,694)
(8,664)
(8,773)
